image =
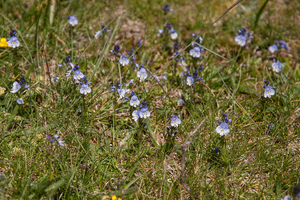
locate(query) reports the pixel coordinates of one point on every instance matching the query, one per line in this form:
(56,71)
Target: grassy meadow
(128,99)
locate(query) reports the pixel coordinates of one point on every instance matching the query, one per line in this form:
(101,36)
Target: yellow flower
(3,42)
(119,199)
(114,197)
(2,91)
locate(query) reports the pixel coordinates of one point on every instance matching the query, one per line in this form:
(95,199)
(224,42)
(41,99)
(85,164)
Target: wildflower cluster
(191,78)
(223,129)
(166,8)
(169,28)
(116,49)
(278,45)
(269,90)
(143,112)
(78,76)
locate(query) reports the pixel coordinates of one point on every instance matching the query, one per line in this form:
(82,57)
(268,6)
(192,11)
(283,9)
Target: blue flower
(98,34)
(121,92)
(59,65)
(195,52)
(144,113)
(286,198)
(131,82)
(60,142)
(135,115)
(189,80)
(173,34)
(160,31)
(282,44)
(15,88)
(142,74)
(85,89)
(78,75)
(20,101)
(124,60)
(13,42)
(241,40)
(113,88)
(55,79)
(180,102)
(269,91)
(273,48)
(175,121)
(277,66)
(73,20)
(134,101)
(183,63)
(223,129)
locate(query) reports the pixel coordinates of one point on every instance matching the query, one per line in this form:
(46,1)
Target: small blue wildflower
(241,40)
(189,80)
(121,92)
(277,66)
(195,52)
(269,90)
(242,37)
(180,102)
(135,115)
(223,129)
(160,31)
(85,89)
(173,34)
(55,79)
(183,63)
(15,88)
(59,65)
(142,74)
(134,101)
(13,42)
(198,40)
(144,113)
(98,34)
(175,121)
(113,88)
(26,86)
(131,82)
(124,60)
(60,142)
(72,20)
(273,48)
(20,101)
(78,75)
(286,198)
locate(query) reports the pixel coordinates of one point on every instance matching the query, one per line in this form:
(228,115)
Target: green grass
(259,159)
